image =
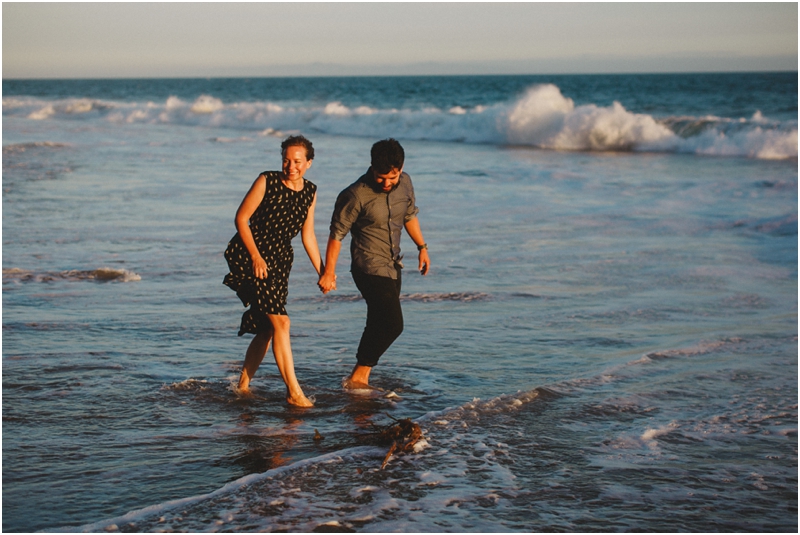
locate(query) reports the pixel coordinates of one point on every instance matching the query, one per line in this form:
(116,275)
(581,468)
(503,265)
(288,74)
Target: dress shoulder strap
(312,188)
(271,178)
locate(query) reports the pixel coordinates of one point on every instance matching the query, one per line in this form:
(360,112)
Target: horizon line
(428,75)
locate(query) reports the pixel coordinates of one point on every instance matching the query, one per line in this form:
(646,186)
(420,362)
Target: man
(375,209)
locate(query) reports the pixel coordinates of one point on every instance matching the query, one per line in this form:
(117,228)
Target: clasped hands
(327,282)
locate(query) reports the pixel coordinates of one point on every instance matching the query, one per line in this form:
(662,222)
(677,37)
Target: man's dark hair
(387,154)
(298,141)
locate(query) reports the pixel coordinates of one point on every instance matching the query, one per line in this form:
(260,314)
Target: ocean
(607,340)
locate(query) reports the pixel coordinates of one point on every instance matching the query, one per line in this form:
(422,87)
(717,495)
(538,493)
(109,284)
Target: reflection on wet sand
(265,452)
(363,421)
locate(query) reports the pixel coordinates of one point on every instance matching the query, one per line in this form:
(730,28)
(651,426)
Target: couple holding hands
(280,204)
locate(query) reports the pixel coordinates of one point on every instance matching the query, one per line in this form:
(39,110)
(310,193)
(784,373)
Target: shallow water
(607,341)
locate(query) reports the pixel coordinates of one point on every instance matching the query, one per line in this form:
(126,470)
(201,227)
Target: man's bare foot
(299,400)
(358,378)
(351,384)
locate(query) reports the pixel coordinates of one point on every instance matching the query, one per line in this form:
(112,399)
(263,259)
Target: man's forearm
(332,255)
(414,231)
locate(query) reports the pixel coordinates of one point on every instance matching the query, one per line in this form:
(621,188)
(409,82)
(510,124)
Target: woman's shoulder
(271,179)
(310,185)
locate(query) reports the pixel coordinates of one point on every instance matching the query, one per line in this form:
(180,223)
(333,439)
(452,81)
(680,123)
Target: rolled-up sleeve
(345,213)
(412,210)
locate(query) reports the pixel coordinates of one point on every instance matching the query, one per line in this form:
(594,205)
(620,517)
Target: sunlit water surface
(607,340)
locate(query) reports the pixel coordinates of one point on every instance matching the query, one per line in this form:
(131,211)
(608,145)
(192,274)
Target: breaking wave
(542,118)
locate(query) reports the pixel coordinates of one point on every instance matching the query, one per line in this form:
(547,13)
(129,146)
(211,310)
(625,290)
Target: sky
(192,39)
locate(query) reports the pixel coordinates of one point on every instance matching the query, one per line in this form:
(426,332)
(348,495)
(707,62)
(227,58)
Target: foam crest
(206,104)
(17,148)
(104,274)
(427,297)
(67,107)
(471,413)
(757,142)
(587,127)
(542,117)
(701,348)
(462,297)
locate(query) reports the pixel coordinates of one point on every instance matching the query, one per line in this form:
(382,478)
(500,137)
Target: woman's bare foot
(244,383)
(246,393)
(242,389)
(299,400)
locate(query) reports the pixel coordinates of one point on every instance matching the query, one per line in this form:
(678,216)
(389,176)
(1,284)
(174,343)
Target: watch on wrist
(421,247)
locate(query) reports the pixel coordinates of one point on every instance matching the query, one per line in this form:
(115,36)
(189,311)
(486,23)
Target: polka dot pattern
(277,220)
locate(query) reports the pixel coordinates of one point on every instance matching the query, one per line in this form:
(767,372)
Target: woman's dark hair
(298,141)
(387,154)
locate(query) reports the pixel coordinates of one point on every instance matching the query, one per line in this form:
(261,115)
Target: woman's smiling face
(295,163)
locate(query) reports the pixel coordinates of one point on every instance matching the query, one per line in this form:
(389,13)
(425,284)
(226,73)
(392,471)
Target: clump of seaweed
(401,435)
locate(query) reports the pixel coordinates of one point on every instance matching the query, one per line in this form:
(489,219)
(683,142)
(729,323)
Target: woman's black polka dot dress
(277,220)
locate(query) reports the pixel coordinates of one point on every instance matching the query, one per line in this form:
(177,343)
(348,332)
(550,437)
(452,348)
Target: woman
(260,255)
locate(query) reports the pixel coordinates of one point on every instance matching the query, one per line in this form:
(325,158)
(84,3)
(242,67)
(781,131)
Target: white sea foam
(467,465)
(700,348)
(206,104)
(104,274)
(333,490)
(463,297)
(542,117)
(157,511)
(23,147)
(343,496)
(652,434)
(42,113)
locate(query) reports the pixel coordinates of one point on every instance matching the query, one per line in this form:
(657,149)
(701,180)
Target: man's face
(389,180)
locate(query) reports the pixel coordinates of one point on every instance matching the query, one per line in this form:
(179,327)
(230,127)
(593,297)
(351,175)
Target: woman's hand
(327,282)
(259,268)
(247,209)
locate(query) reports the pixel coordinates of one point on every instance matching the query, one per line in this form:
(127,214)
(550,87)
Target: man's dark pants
(384,315)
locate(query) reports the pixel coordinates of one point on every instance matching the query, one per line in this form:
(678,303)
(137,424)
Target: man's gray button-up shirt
(375,220)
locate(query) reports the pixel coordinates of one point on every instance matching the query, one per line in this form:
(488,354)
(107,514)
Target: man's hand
(327,282)
(424,262)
